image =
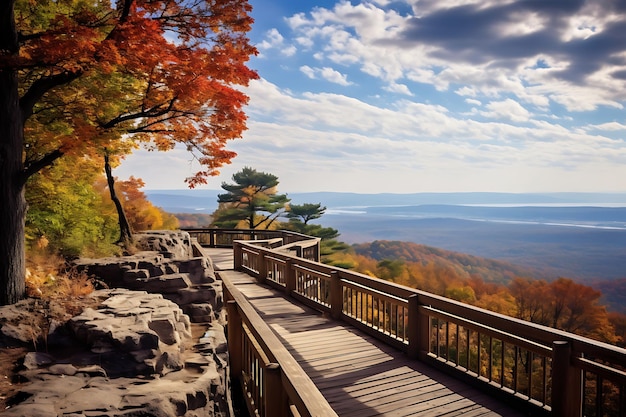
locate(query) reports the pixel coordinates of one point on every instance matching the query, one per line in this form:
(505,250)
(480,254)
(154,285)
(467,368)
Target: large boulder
(164,266)
(174,244)
(140,324)
(132,355)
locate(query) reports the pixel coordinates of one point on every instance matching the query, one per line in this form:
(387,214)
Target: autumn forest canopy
(82,81)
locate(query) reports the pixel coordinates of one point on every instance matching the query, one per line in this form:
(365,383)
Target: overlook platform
(357,374)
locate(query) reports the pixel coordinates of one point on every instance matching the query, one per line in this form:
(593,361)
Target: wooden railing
(546,370)
(300,245)
(272,382)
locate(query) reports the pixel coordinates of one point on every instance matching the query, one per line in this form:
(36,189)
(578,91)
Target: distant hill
(193,220)
(576,235)
(488,270)
(334,199)
(580,253)
(186,200)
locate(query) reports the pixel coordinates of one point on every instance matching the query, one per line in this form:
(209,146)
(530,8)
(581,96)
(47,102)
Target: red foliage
(161,72)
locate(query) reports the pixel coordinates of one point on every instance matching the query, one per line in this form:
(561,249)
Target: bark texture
(12,178)
(126,234)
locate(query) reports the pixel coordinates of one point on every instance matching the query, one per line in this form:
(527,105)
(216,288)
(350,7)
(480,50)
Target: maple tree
(563,304)
(79,77)
(71,213)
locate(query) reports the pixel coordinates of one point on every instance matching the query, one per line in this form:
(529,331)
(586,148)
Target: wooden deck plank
(360,376)
(319,357)
(378,373)
(376,386)
(393,393)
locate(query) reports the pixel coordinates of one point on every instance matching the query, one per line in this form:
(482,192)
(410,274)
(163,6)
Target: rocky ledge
(134,352)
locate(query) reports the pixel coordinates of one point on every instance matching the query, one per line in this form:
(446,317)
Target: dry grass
(60,293)
(55,294)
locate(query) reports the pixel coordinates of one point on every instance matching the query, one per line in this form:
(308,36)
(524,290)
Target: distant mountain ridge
(586,242)
(201,200)
(335,199)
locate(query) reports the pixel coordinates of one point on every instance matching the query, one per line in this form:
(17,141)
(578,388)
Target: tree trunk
(126,235)
(12,201)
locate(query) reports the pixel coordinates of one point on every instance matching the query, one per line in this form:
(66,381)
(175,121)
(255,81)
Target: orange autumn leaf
(148,71)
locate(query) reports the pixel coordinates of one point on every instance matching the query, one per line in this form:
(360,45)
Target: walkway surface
(359,375)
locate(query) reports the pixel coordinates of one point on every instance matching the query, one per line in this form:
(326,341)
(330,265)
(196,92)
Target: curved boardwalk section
(358,375)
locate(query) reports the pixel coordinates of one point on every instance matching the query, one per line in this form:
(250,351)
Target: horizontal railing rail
(544,369)
(217,237)
(300,245)
(271,381)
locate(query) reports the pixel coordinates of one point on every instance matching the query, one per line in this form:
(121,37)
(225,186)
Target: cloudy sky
(429,96)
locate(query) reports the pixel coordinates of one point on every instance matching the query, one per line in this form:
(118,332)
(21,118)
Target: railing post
(276,402)
(317,251)
(336,295)
(237,256)
(262,268)
(567,386)
(413,333)
(235,339)
(290,277)
(212,238)
(419,329)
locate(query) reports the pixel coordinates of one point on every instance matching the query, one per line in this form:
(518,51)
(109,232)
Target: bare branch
(41,87)
(35,166)
(155,111)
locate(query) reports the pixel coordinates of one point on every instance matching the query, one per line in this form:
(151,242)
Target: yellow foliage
(46,280)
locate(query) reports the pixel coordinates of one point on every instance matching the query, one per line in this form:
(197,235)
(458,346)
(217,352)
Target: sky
(428,96)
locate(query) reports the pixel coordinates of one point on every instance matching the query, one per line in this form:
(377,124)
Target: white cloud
(289,50)
(469,106)
(332,142)
(327,74)
(305,42)
(273,39)
(610,127)
(333,76)
(507,109)
(297,20)
(398,88)
(308,71)
(373,36)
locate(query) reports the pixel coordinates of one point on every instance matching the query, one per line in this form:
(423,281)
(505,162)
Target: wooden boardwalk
(358,375)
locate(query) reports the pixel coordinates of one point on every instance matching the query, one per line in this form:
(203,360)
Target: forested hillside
(467,266)
(191,220)
(462,264)
(497,286)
